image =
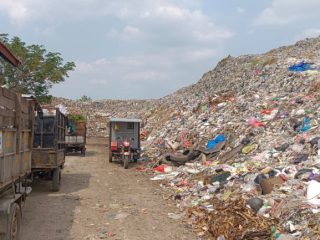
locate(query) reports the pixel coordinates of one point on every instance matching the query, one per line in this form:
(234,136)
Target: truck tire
(56,178)
(110,156)
(83,151)
(126,162)
(14,225)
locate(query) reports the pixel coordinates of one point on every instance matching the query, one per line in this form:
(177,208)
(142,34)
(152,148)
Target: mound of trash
(240,149)
(97,113)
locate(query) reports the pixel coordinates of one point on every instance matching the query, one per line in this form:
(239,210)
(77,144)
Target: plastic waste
(300,67)
(306,124)
(163,168)
(313,192)
(255,203)
(249,148)
(301,158)
(253,122)
(282,148)
(212,143)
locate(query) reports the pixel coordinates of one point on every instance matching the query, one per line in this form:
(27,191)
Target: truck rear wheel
(14,226)
(56,178)
(110,156)
(83,151)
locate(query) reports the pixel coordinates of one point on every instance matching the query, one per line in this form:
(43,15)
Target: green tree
(85,98)
(39,68)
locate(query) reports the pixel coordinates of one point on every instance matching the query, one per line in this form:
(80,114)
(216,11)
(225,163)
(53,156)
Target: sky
(142,49)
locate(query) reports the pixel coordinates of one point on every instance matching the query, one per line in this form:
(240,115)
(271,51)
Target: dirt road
(99,200)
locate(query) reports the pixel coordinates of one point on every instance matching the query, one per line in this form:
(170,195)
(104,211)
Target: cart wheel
(126,162)
(56,178)
(14,225)
(110,156)
(135,158)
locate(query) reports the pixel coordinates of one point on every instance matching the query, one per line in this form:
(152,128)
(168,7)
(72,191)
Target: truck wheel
(56,178)
(126,162)
(15,223)
(83,151)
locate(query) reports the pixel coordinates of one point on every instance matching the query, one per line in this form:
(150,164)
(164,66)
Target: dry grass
(258,61)
(315,86)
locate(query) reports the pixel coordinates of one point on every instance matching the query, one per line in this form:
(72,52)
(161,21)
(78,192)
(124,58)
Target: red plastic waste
(160,168)
(266,111)
(253,122)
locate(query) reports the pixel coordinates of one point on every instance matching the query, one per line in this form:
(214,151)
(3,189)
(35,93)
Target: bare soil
(100,200)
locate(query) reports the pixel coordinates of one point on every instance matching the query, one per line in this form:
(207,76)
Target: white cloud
(308,33)
(168,43)
(140,16)
(283,12)
(16,10)
(180,25)
(171,12)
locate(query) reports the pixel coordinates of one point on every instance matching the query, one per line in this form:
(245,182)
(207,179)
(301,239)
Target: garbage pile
(98,112)
(240,149)
(243,146)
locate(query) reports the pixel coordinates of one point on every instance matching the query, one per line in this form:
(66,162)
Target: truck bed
(47,158)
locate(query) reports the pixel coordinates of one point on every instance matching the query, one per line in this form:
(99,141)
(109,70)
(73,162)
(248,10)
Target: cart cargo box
(49,146)
(76,137)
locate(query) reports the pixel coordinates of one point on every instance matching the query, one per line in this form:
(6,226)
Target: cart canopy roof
(125,120)
(8,55)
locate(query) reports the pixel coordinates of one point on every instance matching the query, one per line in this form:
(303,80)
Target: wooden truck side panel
(47,158)
(17,116)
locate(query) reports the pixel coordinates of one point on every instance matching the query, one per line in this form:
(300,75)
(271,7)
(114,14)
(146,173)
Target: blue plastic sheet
(300,67)
(213,142)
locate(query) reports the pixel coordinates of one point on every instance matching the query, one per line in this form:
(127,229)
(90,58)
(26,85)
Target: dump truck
(76,137)
(17,117)
(48,156)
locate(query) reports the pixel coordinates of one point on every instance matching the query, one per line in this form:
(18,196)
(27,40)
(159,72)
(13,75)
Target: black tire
(14,227)
(110,156)
(56,179)
(126,162)
(135,158)
(83,151)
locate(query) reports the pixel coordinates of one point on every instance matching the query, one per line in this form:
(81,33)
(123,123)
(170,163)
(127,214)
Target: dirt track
(99,200)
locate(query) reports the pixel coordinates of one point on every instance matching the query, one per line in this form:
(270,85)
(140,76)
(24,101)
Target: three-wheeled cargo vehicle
(48,155)
(17,115)
(124,140)
(76,137)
